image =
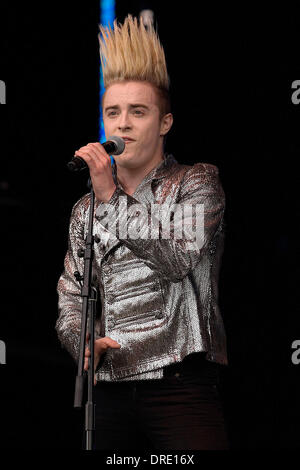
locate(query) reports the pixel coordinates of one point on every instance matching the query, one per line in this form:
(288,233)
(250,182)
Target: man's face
(130,111)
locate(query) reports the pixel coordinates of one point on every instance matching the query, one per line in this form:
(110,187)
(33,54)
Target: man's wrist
(107,197)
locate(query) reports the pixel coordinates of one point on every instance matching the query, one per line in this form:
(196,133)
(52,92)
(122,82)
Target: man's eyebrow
(134,105)
(139,105)
(111,107)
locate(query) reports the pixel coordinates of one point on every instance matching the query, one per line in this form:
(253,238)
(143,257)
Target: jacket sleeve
(185,229)
(68,325)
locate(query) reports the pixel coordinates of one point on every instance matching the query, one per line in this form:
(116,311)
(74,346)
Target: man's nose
(124,121)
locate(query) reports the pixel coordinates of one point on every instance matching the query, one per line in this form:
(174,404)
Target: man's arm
(68,325)
(172,255)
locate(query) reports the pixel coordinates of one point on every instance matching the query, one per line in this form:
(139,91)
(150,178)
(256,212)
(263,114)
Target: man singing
(160,340)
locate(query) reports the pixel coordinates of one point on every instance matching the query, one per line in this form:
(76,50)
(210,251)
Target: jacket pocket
(134,294)
(137,321)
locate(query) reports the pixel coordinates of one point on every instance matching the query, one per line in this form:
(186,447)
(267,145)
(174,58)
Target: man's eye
(112,113)
(138,112)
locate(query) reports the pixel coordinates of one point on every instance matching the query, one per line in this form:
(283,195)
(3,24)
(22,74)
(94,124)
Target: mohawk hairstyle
(132,52)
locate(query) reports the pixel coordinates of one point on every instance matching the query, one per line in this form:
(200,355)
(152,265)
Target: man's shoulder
(198,171)
(207,167)
(184,179)
(178,171)
(198,177)
(200,167)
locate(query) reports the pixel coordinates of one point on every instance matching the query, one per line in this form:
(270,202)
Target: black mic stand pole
(89,295)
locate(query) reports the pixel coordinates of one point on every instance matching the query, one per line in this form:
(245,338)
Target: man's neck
(130,178)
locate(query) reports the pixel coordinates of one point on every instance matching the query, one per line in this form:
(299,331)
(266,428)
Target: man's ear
(166,124)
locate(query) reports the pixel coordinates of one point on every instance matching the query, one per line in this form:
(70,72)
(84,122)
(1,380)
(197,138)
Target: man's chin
(126,160)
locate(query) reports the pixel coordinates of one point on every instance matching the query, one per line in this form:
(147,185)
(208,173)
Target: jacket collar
(157,173)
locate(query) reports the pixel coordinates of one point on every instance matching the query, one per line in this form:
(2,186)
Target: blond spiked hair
(132,52)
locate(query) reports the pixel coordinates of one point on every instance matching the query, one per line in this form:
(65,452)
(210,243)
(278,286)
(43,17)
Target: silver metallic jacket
(159,292)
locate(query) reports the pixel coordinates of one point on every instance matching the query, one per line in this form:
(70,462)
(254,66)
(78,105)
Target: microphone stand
(89,295)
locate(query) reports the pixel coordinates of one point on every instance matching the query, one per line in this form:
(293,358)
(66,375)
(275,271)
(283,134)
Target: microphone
(114,146)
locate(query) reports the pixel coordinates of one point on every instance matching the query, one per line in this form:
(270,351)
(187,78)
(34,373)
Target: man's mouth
(127,140)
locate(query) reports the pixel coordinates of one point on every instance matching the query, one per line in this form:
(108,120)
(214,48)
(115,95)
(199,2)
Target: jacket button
(110,298)
(159,315)
(111,323)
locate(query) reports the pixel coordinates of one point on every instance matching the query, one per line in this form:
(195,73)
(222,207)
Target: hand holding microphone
(95,156)
(113,146)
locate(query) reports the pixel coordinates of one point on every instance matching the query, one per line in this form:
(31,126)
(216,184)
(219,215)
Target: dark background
(231,72)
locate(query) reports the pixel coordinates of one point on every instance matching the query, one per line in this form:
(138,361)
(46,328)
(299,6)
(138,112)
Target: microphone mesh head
(119,143)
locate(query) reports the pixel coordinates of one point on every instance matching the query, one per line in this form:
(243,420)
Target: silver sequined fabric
(159,297)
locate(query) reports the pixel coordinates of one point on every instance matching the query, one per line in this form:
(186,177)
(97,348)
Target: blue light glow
(107,16)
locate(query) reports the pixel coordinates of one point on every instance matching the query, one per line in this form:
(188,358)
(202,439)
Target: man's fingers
(101,345)
(87,152)
(106,342)
(99,149)
(95,151)
(111,342)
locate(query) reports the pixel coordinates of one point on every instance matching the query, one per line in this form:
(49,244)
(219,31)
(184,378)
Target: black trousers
(182,411)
